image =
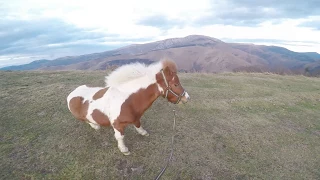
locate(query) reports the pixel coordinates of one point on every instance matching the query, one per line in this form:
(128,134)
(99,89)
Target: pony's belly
(100,118)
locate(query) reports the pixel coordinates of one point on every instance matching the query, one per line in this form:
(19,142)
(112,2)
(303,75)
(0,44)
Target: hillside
(237,126)
(193,53)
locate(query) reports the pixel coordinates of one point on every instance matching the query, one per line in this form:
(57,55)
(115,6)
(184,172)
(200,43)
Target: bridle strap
(165,81)
(168,89)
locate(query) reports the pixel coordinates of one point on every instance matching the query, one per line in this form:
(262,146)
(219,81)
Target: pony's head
(169,81)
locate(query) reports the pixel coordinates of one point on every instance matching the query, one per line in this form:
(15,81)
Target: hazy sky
(47,29)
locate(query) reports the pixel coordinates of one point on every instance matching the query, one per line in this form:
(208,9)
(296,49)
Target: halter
(168,89)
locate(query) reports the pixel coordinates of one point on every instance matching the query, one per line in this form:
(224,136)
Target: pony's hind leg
(140,129)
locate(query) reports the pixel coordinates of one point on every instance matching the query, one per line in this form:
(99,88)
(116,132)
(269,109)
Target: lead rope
(171,153)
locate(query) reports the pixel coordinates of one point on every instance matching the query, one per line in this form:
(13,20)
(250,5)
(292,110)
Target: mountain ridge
(193,53)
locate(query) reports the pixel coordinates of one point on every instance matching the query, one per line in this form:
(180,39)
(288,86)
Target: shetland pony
(130,90)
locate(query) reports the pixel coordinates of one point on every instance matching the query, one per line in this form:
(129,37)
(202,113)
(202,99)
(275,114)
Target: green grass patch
(237,126)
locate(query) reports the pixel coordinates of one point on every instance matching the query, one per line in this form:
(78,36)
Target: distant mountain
(194,53)
(312,69)
(33,65)
(313,55)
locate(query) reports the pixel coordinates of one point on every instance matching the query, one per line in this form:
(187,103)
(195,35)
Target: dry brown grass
(237,126)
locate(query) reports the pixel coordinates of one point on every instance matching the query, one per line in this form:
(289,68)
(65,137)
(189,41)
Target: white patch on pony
(87,93)
(83,91)
(160,88)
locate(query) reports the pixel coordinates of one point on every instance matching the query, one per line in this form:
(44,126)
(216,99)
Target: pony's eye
(176,85)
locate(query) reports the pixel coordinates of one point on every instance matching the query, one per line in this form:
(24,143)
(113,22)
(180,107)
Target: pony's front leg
(119,135)
(139,129)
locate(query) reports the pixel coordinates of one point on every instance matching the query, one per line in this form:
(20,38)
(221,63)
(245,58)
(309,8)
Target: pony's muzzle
(185,98)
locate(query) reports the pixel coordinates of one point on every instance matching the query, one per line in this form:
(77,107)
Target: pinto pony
(130,90)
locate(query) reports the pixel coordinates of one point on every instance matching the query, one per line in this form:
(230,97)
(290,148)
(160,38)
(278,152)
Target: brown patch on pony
(171,64)
(100,118)
(79,109)
(133,108)
(100,93)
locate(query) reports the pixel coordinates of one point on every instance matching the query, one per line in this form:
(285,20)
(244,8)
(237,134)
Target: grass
(237,126)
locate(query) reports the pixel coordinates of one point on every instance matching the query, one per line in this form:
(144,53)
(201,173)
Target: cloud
(284,8)
(314,24)
(252,12)
(28,35)
(23,40)
(160,21)
(33,29)
(49,38)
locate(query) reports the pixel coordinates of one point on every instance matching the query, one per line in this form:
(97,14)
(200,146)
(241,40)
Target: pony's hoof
(144,133)
(126,153)
(95,126)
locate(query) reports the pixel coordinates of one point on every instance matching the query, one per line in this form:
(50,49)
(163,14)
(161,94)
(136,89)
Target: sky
(37,29)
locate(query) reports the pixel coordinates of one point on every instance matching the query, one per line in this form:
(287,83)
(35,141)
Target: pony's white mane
(133,71)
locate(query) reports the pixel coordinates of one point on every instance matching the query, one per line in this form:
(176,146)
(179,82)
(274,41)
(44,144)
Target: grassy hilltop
(237,126)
